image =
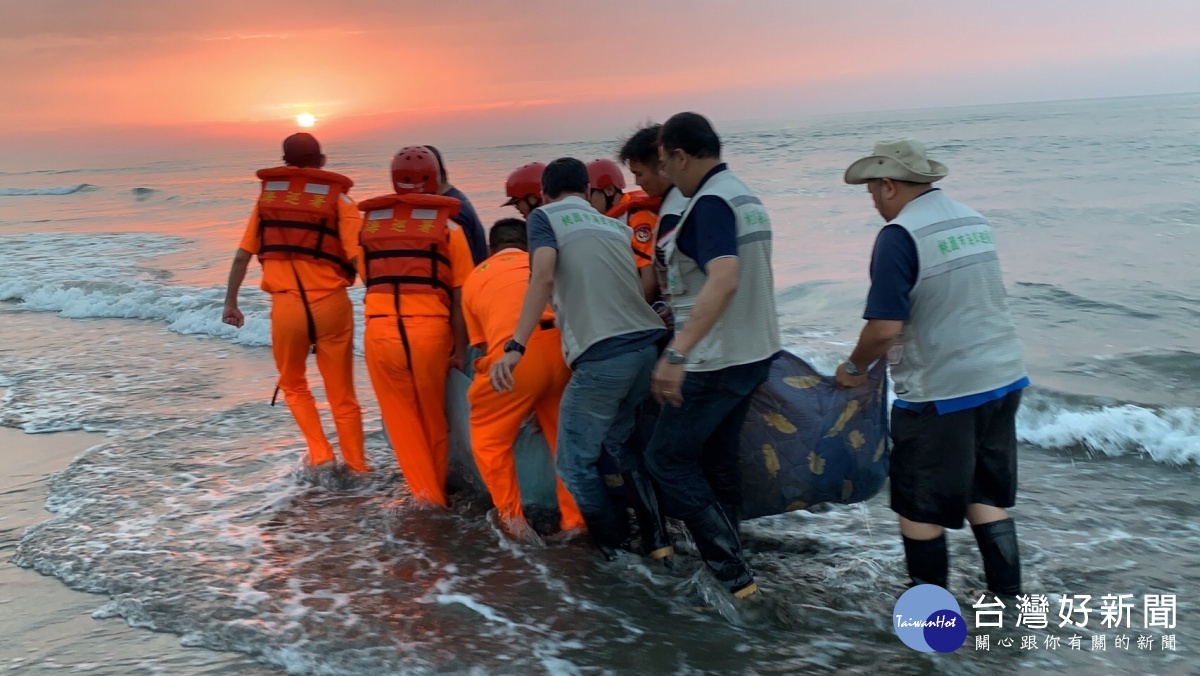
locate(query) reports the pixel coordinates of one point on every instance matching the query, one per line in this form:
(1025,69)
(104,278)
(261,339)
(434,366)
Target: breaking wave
(1165,435)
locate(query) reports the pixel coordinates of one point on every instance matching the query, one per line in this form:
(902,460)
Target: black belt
(546,324)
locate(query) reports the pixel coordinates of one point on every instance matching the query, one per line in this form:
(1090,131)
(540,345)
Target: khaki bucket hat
(900,160)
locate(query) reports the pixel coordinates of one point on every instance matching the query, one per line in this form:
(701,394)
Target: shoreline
(44,624)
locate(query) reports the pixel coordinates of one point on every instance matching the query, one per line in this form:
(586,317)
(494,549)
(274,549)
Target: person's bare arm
(237,274)
(877,337)
(649,282)
(541,288)
(711,303)
(537,296)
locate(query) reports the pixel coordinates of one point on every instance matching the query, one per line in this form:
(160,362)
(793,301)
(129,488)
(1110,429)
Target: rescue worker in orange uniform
(492,298)
(524,188)
(414,260)
(606,193)
(302,230)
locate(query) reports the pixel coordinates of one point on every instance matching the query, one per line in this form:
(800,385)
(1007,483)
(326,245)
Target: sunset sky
(513,69)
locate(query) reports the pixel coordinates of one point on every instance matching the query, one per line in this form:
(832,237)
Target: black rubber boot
(608,532)
(652,524)
(718,544)
(928,562)
(1001,558)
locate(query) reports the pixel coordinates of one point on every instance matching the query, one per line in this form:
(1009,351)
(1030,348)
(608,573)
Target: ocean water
(194,518)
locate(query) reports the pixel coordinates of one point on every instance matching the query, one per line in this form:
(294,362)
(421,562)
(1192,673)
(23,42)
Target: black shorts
(942,463)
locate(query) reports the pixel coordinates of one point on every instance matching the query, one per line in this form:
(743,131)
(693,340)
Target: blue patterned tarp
(805,442)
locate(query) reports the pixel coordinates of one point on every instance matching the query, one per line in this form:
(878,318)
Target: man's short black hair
(691,133)
(508,232)
(441,163)
(562,176)
(302,150)
(642,146)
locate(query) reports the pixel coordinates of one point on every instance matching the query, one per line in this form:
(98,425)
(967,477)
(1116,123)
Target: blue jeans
(693,453)
(597,411)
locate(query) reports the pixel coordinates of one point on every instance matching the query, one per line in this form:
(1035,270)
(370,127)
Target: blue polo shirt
(710,230)
(894,271)
(468,220)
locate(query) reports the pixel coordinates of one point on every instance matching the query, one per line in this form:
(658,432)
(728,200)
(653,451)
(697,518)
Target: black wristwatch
(513,346)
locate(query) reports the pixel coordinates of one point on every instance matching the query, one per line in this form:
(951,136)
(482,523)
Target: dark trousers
(693,451)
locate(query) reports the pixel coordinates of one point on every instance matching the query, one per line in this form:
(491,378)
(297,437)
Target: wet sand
(44,626)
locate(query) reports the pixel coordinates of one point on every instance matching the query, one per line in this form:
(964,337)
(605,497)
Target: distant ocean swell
(107,282)
(64,190)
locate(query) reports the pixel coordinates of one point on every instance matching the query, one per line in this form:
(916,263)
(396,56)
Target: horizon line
(587,136)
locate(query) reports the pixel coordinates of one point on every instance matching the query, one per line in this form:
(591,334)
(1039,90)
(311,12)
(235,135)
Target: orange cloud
(366,64)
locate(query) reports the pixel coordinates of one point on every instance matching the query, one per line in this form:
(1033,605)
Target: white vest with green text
(673,204)
(597,293)
(959,339)
(749,330)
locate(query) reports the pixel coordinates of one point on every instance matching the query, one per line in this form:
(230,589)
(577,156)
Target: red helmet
(605,173)
(415,169)
(524,182)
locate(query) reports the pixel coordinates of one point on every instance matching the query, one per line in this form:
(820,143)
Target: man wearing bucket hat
(938,310)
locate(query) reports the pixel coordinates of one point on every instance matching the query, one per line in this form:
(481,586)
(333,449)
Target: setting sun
(306,120)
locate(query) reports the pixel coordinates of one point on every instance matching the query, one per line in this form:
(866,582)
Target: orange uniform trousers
(412,398)
(333,318)
(496,420)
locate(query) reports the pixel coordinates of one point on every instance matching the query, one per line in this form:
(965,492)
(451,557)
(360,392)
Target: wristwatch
(513,346)
(674,356)
(852,370)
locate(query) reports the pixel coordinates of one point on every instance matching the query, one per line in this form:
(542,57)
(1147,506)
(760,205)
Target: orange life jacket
(640,213)
(406,244)
(638,201)
(298,217)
